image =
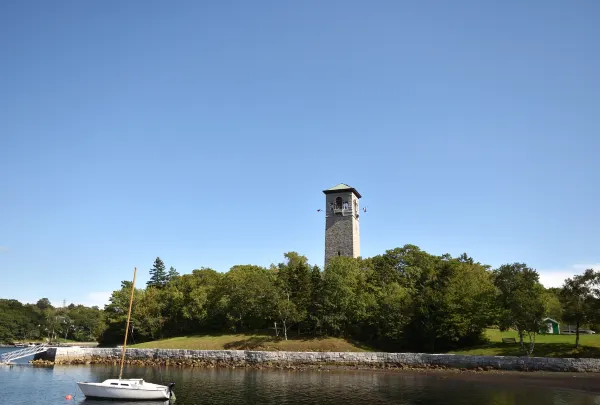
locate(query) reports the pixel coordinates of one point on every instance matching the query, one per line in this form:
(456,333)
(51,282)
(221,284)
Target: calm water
(26,385)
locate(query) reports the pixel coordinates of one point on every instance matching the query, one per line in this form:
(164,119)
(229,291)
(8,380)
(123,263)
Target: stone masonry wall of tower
(342,232)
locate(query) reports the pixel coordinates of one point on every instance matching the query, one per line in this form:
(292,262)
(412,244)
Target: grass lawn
(545,345)
(253,342)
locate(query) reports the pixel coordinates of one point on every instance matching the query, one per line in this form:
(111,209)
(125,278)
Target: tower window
(338,202)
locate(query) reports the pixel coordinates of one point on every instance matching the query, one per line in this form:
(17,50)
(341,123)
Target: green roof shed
(551,327)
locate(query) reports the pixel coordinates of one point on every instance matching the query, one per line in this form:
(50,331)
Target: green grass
(545,345)
(253,342)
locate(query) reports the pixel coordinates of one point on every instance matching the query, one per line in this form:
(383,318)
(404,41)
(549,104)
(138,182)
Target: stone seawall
(242,358)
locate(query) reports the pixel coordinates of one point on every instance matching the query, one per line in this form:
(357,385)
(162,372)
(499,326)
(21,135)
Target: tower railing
(345,211)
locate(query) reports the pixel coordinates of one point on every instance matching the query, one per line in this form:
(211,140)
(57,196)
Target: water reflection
(112,402)
(238,386)
(42,386)
(104,402)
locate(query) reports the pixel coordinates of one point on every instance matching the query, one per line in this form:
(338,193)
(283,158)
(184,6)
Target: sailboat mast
(127,328)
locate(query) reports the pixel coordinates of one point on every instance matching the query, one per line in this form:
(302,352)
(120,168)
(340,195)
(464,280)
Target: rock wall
(242,358)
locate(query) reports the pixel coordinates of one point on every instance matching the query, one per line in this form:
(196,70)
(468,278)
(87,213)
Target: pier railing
(17,354)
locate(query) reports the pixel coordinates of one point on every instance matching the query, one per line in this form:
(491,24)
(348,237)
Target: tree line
(404,299)
(43,322)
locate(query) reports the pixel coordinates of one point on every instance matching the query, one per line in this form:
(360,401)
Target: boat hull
(103,391)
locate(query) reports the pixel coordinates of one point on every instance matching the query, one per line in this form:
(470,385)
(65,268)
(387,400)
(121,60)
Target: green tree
(452,301)
(403,299)
(466,301)
(579,297)
(552,304)
(190,302)
(246,298)
(149,310)
(403,265)
(390,316)
(315,307)
(85,322)
(520,301)
(28,322)
(345,299)
(44,304)
(115,315)
(18,322)
(465,258)
(286,311)
(172,274)
(293,284)
(158,274)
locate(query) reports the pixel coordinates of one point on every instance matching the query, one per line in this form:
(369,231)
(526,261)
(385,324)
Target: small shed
(551,327)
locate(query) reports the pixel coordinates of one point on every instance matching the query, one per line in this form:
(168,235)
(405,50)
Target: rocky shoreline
(261,366)
(309,360)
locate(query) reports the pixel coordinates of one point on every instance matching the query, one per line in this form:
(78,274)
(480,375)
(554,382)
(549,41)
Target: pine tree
(158,275)
(172,274)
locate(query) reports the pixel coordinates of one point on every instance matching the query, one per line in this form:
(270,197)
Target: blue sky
(205,134)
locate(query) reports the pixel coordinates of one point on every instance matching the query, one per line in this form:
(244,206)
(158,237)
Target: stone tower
(342,237)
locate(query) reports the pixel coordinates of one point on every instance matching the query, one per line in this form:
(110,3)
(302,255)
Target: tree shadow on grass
(277,343)
(251,343)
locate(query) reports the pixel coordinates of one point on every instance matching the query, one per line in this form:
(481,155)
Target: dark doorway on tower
(339,254)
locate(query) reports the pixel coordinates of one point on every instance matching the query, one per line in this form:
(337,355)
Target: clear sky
(205,134)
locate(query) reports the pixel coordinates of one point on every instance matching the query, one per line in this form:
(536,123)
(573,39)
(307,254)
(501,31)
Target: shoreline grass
(254,342)
(545,345)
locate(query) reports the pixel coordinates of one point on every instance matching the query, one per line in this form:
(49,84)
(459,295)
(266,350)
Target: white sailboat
(127,389)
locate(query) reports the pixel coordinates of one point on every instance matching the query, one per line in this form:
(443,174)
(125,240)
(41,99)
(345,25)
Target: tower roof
(341,187)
